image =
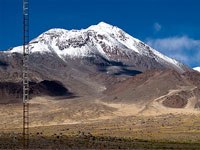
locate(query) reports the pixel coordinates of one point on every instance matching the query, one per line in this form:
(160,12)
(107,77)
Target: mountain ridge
(110,42)
(103,59)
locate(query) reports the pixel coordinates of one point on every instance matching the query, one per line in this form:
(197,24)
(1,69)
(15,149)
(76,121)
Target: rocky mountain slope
(153,89)
(103,41)
(86,61)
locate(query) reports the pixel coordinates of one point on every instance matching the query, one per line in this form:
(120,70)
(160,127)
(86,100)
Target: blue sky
(170,26)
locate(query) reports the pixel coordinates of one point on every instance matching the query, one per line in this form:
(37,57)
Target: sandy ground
(155,107)
(45,111)
(86,119)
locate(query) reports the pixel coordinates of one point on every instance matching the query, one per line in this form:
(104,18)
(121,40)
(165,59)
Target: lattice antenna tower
(25,74)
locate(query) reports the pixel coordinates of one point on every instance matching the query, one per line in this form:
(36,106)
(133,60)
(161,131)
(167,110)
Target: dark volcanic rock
(175,101)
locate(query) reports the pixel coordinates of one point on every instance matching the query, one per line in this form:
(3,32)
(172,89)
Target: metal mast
(25,74)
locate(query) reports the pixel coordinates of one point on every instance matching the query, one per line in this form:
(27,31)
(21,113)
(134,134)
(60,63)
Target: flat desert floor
(87,123)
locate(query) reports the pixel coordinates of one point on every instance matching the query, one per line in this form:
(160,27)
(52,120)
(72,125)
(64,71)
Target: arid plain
(71,123)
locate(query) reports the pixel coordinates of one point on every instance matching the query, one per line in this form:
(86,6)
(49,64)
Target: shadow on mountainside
(103,65)
(3,64)
(12,92)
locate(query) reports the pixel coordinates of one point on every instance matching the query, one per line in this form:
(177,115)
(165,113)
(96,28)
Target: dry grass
(94,124)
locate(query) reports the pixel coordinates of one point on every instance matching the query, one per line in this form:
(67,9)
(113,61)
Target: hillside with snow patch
(102,40)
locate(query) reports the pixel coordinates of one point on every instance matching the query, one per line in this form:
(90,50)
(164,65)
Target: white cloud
(157,27)
(184,49)
(174,43)
(181,57)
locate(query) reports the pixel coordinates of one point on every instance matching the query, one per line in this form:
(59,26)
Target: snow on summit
(197,69)
(102,39)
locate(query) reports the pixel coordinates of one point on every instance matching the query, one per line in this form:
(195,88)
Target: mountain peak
(55,30)
(104,24)
(107,41)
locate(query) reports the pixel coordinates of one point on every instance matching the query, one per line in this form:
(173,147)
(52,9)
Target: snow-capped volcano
(102,40)
(88,61)
(197,69)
